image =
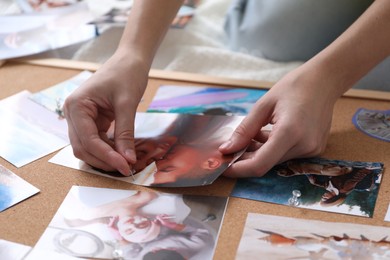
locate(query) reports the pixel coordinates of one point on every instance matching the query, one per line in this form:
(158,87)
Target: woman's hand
(112,93)
(300,105)
(115,90)
(300,111)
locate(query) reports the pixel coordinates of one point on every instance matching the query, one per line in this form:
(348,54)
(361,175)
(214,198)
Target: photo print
(36,32)
(13,189)
(13,251)
(204,100)
(277,237)
(320,184)
(173,150)
(108,223)
(29,131)
(53,98)
(375,123)
(39,254)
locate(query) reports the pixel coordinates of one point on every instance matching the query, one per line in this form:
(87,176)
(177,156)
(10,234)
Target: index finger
(88,140)
(273,151)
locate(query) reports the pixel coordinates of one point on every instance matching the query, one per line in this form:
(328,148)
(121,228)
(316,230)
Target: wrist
(317,81)
(127,74)
(130,59)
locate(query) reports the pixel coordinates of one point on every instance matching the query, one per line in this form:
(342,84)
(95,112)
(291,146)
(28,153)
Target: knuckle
(71,104)
(78,153)
(69,101)
(87,143)
(313,147)
(241,130)
(127,135)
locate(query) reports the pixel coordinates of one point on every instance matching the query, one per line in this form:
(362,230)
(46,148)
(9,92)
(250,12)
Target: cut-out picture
(375,123)
(128,224)
(29,131)
(173,150)
(276,237)
(13,189)
(204,100)
(53,98)
(329,185)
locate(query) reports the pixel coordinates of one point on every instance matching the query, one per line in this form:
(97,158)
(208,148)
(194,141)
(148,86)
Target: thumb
(240,138)
(124,136)
(245,131)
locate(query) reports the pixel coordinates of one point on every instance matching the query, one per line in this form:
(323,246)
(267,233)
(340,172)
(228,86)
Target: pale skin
(300,105)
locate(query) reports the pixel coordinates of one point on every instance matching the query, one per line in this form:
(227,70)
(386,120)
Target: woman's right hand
(300,108)
(111,94)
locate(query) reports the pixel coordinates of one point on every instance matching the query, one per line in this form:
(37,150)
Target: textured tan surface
(25,222)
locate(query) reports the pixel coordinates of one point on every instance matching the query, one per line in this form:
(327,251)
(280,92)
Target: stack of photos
(128,224)
(13,189)
(328,185)
(276,237)
(173,150)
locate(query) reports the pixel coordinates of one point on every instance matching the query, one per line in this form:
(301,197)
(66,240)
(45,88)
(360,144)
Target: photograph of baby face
(173,150)
(184,151)
(374,123)
(320,184)
(205,100)
(276,237)
(108,223)
(13,189)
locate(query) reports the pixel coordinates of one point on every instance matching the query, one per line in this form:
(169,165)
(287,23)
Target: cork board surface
(25,222)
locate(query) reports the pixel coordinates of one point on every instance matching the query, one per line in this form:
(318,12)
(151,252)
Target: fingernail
(130,155)
(124,171)
(226,145)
